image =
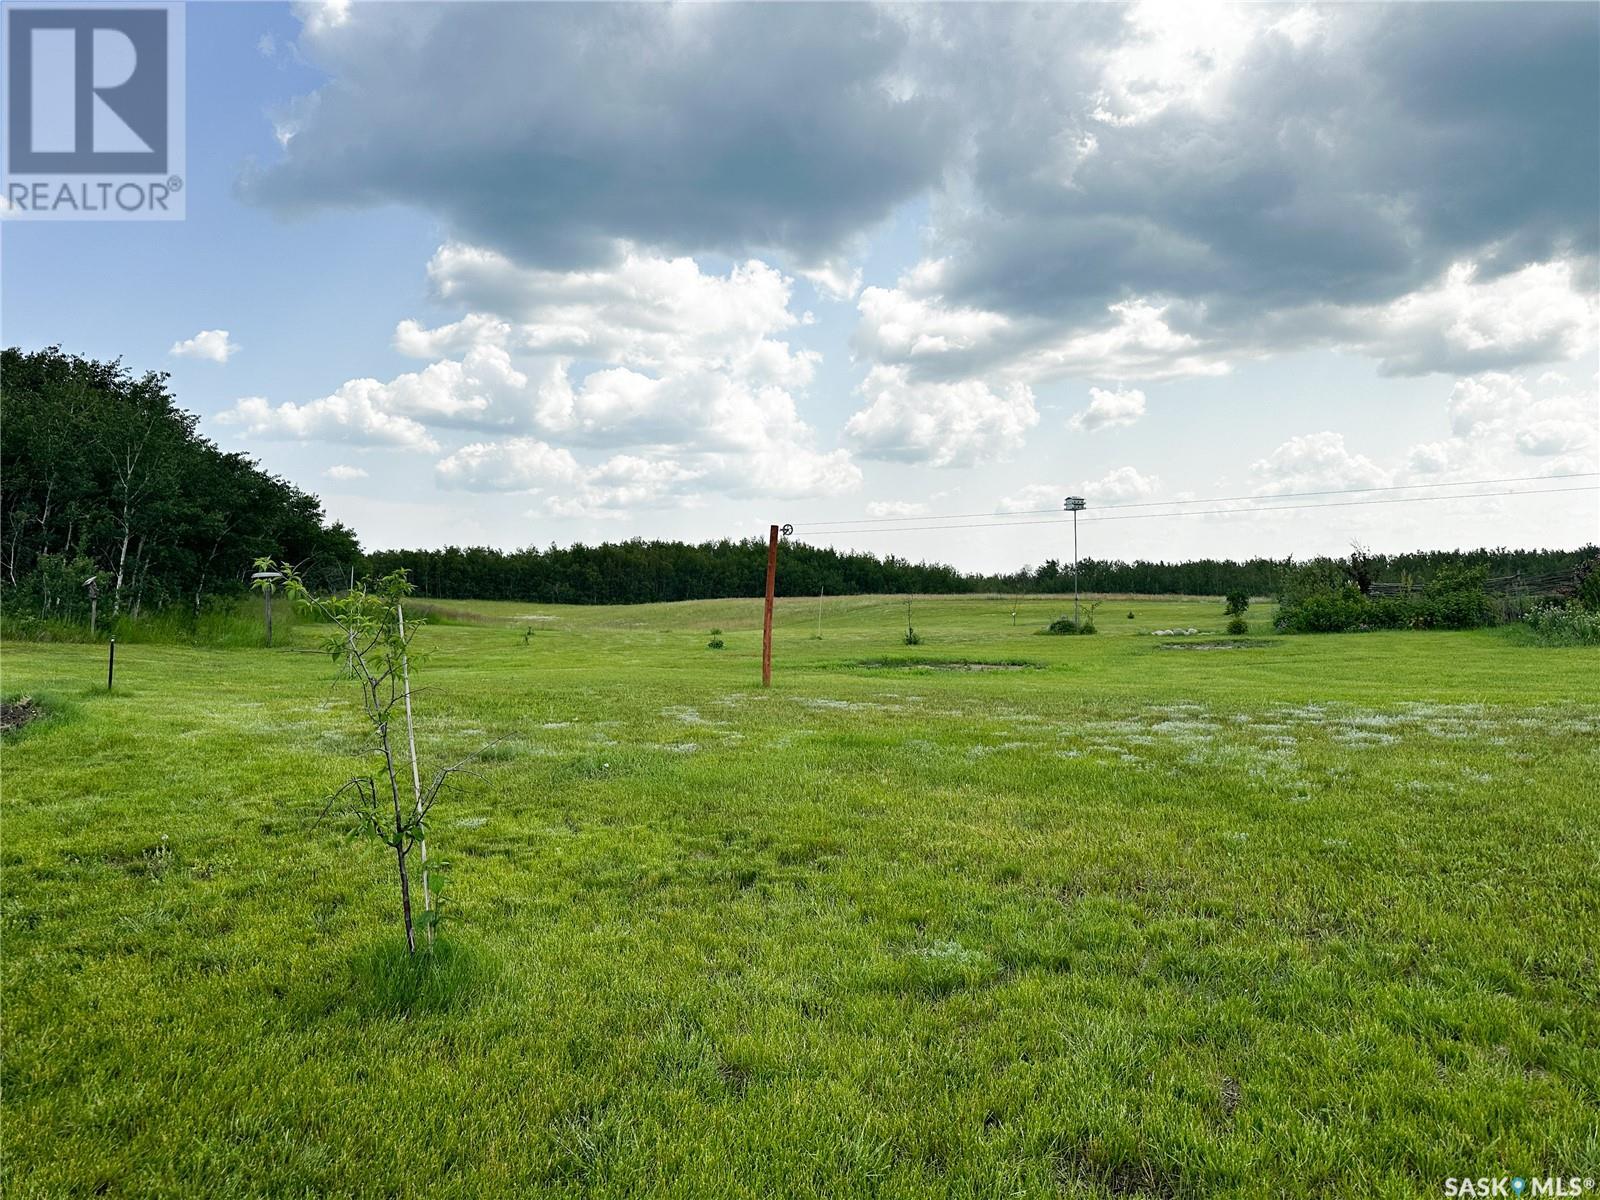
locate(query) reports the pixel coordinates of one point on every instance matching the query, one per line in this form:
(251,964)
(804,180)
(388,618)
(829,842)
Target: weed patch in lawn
(385,981)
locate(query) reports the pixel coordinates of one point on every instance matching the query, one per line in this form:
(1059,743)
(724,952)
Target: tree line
(103,476)
(642,572)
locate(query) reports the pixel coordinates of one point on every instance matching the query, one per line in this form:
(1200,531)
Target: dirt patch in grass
(1126,1179)
(15,714)
(1214,645)
(440,614)
(931,664)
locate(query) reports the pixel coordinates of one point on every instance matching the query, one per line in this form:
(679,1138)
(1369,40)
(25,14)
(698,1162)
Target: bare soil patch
(14,714)
(923,664)
(1253,645)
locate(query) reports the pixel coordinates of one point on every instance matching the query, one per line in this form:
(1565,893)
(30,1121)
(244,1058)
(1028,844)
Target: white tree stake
(416,776)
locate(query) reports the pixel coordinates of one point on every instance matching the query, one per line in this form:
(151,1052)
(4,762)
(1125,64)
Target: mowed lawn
(1310,916)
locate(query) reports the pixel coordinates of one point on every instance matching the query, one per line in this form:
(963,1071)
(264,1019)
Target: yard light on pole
(264,580)
(1074,505)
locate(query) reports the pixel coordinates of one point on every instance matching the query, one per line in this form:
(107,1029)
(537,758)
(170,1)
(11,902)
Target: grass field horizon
(1000,913)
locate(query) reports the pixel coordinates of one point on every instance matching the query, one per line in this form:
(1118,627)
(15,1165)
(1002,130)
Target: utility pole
(1074,505)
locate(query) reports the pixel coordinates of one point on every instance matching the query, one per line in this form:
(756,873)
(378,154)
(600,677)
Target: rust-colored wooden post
(766,619)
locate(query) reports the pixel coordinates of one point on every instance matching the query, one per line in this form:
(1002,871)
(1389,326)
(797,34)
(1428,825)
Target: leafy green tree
(102,465)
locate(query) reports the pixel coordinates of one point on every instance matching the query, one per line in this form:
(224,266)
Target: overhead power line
(1023,512)
(1201,512)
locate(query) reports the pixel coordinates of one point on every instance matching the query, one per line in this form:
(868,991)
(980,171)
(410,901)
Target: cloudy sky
(511,274)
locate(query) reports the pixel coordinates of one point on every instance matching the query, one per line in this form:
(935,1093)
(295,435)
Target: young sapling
(372,643)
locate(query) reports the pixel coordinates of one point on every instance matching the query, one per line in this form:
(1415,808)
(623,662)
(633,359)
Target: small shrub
(1238,625)
(1236,603)
(1064,624)
(1562,625)
(1130,616)
(716,642)
(1337,611)
(1589,591)
(913,638)
(1068,625)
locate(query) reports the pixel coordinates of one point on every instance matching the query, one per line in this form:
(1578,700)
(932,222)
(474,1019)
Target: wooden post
(766,620)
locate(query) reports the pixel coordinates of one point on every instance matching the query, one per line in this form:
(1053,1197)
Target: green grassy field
(1107,918)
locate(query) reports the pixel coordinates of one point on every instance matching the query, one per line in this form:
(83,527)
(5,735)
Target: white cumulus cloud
(212,345)
(940,424)
(1316,462)
(349,416)
(1504,425)
(896,508)
(1109,408)
(1464,323)
(1036,497)
(514,465)
(683,375)
(1119,486)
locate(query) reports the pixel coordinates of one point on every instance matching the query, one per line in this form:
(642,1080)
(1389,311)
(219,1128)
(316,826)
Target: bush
(1589,591)
(1068,625)
(1130,616)
(1454,599)
(716,643)
(913,638)
(1236,603)
(1561,625)
(1326,612)
(1238,625)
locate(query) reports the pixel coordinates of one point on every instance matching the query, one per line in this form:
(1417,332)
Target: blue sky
(517,274)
